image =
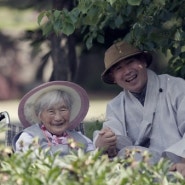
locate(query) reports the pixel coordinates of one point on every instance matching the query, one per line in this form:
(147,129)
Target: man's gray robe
(159,125)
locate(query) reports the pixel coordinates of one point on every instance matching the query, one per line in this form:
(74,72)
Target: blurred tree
(62,48)
(10,60)
(155,25)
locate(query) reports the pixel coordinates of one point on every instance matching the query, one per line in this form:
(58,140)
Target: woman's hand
(180,167)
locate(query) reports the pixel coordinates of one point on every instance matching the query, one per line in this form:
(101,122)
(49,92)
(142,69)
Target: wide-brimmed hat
(80,105)
(118,52)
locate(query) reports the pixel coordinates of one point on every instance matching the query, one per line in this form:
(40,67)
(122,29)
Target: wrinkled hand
(106,140)
(180,167)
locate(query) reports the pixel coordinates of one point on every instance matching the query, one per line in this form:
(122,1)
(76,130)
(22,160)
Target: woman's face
(130,74)
(56,118)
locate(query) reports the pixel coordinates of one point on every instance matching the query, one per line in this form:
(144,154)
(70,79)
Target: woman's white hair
(51,98)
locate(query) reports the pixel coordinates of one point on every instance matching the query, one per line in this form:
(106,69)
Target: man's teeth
(131,78)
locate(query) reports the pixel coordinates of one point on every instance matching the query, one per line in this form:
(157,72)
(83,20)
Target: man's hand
(106,139)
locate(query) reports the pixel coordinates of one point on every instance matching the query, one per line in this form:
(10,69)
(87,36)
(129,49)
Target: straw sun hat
(79,97)
(118,52)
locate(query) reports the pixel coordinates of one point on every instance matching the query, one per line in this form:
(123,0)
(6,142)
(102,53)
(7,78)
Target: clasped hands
(107,141)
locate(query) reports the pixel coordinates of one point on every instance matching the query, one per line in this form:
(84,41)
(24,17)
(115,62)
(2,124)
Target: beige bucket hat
(118,52)
(80,106)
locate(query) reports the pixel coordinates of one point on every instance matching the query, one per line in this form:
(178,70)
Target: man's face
(130,74)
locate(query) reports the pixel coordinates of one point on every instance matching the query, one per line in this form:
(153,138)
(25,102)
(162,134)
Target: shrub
(36,168)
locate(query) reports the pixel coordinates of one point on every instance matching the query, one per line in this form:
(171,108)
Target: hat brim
(79,96)
(106,77)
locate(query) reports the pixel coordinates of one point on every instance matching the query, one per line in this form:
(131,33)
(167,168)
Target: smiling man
(148,114)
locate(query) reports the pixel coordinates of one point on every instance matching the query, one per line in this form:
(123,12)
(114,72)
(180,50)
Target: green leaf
(118,21)
(111,1)
(47,29)
(40,17)
(57,26)
(74,15)
(134,2)
(100,39)
(56,13)
(68,28)
(89,42)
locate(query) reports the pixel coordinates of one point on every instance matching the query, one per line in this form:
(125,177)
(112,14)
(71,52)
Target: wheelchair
(10,129)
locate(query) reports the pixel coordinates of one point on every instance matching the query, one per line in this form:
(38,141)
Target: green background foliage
(154,25)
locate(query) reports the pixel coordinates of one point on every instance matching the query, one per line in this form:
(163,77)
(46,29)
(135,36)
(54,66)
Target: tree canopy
(154,25)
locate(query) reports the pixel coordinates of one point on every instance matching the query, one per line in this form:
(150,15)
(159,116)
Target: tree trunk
(63,51)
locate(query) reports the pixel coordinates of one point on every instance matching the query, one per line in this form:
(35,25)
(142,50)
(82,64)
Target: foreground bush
(35,168)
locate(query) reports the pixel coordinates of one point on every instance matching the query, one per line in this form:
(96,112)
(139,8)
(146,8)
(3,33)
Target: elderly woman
(51,112)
